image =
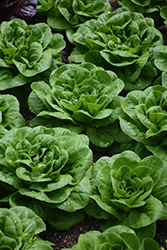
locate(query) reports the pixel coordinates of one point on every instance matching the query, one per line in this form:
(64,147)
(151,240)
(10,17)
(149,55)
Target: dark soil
(66,239)
(161,234)
(27,114)
(114,4)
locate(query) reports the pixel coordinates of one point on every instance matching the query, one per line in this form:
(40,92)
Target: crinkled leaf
(147,214)
(43,64)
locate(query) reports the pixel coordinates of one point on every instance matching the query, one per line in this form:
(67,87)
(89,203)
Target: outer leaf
(79,197)
(57,21)
(160,194)
(160,54)
(43,64)
(10,80)
(38,96)
(149,213)
(115,57)
(150,243)
(62,220)
(107,134)
(131,129)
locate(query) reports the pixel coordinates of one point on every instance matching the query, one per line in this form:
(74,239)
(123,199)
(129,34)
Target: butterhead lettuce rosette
(83,98)
(145,118)
(66,15)
(26,51)
(117,237)
(19,229)
(121,41)
(46,168)
(124,187)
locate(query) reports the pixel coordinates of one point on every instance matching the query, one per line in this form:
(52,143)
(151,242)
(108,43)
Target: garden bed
(66,239)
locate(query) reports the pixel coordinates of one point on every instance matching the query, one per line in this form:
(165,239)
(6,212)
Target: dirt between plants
(66,239)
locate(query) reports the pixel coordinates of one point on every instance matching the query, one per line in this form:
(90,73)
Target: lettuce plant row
(110,97)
